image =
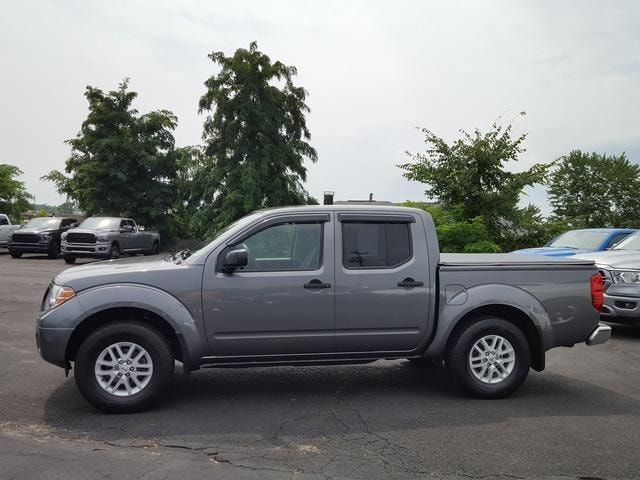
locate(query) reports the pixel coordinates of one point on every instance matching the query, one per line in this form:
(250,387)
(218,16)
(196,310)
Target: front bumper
(52,344)
(87,250)
(42,247)
(621,305)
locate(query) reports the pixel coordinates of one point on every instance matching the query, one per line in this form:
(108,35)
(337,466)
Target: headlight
(63,236)
(102,238)
(626,276)
(58,295)
(45,236)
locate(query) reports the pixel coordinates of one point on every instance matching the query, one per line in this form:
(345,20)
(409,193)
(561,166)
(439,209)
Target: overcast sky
(374,72)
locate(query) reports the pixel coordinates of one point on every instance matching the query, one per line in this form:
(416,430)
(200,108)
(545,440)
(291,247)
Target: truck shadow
(626,331)
(268,403)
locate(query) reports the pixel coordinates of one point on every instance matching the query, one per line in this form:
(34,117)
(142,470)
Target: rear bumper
(600,335)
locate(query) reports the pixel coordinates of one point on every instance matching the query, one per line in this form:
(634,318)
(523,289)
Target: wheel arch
(145,304)
(511,314)
(110,315)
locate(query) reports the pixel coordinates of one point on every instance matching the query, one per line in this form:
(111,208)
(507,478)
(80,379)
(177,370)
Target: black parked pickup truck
(40,235)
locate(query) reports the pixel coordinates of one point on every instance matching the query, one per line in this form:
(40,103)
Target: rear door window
(375,244)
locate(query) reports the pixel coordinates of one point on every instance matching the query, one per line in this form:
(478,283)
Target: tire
(115,251)
(15,254)
(121,400)
(54,250)
(69,259)
(488,383)
(155,249)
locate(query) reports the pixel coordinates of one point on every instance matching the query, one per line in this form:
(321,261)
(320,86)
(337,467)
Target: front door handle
(410,283)
(315,283)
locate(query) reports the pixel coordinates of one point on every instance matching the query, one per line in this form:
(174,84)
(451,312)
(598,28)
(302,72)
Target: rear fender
(479,298)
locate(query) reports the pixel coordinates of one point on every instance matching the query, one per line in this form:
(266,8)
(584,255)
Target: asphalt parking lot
(578,419)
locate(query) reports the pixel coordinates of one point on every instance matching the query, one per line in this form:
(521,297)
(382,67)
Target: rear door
(382,282)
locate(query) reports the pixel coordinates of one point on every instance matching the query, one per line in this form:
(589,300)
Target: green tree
(456,234)
(470,176)
(14,198)
(121,163)
(256,137)
(595,190)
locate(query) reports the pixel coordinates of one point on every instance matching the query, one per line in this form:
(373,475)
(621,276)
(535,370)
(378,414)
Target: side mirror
(126,229)
(235,259)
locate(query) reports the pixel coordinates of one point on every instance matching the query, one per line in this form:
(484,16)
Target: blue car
(580,241)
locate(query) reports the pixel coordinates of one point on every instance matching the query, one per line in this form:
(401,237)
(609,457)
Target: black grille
(81,238)
(25,238)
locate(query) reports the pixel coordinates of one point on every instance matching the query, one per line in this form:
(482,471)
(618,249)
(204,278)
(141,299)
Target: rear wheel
(15,254)
(124,367)
(489,358)
(155,249)
(69,259)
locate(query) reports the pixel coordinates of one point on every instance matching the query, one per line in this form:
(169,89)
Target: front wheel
(115,251)
(69,259)
(489,358)
(54,250)
(124,367)
(15,254)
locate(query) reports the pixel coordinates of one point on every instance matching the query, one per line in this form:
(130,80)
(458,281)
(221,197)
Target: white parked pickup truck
(6,229)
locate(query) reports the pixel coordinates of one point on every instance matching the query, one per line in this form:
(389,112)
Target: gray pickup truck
(620,270)
(108,237)
(315,285)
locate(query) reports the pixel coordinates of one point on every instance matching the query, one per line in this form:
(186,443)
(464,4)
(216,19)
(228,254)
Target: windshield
(632,242)
(45,222)
(100,223)
(235,226)
(580,239)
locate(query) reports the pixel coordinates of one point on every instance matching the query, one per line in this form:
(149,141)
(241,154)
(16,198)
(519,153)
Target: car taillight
(597,291)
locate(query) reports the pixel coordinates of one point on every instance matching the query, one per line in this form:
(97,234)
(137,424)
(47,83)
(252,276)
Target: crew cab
(315,285)
(108,237)
(6,229)
(40,235)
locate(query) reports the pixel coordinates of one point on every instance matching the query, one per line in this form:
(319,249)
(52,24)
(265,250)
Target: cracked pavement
(579,419)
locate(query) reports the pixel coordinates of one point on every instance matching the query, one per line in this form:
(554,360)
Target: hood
(37,231)
(89,230)
(124,270)
(616,259)
(551,251)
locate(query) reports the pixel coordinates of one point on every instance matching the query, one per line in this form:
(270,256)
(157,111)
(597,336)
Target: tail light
(597,291)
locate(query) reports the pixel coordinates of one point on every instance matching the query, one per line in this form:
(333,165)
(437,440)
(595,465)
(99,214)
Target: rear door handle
(315,283)
(410,283)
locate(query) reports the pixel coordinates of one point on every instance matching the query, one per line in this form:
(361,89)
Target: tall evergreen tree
(256,137)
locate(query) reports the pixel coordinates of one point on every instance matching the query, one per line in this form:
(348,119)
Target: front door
(282,301)
(382,282)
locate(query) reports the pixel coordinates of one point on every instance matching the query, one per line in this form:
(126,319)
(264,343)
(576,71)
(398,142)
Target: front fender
(465,301)
(188,327)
